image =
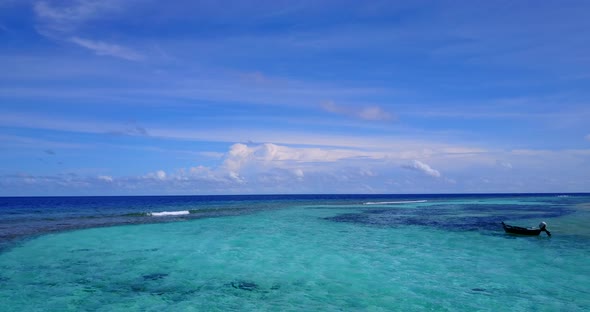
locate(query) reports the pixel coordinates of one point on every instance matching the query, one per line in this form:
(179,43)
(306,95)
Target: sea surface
(294,253)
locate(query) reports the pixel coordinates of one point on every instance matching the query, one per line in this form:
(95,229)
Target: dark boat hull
(520,230)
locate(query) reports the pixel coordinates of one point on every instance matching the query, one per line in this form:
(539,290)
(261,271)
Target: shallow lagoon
(315,254)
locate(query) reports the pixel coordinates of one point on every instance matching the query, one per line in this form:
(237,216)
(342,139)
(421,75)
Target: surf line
(395,202)
(168,213)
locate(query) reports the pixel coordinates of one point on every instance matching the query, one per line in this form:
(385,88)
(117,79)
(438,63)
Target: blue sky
(259,97)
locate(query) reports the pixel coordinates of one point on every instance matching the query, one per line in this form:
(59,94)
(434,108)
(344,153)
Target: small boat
(526,231)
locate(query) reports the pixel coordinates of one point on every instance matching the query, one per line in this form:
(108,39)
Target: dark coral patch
(154,276)
(244,285)
(467,217)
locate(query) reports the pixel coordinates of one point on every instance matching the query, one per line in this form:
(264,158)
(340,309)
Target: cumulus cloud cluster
(272,168)
(261,168)
(243,164)
(249,167)
(243,160)
(244,168)
(242,157)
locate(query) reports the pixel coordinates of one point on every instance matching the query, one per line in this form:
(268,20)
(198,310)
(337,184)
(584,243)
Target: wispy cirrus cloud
(399,147)
(31,142)
(103,48)
(61,21)
(371,113)
(66,17)
(131,129)
(35,121)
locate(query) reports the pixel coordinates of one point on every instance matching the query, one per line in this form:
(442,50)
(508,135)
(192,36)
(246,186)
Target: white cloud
(236,177)
(105,178)
(588,137)
(373,113)
(367,173)
(504,164)
(270,155)
(103,48)
(298,174)
(271,166)
(237,156)
(159,175)
(422,167)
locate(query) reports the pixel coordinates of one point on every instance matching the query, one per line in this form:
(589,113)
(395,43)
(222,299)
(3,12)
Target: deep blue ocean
(294,253)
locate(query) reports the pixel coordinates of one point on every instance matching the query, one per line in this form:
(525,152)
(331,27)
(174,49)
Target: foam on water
(301,259)
(395,202)
(168,213)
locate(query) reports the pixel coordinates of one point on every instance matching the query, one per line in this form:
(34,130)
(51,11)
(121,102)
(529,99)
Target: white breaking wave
(169,213)
(396,202)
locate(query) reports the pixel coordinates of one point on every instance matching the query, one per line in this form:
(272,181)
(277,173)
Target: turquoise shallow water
(308,256)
